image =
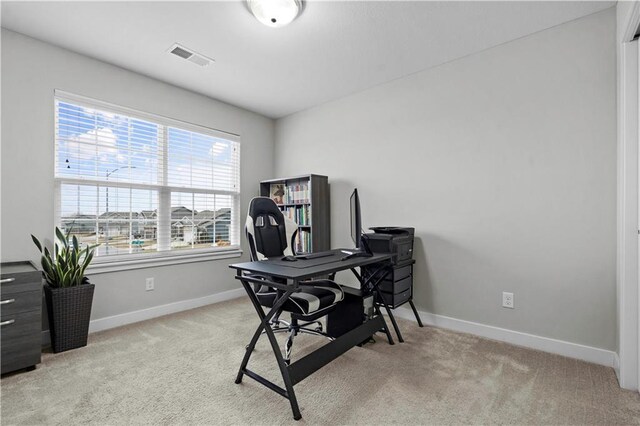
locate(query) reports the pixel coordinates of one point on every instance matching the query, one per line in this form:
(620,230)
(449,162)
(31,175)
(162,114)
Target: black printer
(391,239)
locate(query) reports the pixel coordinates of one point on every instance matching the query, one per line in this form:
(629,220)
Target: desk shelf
(304,199)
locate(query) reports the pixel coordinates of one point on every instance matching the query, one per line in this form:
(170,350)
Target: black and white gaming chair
(271,235)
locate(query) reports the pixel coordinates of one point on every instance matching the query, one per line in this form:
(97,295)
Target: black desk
(293,273)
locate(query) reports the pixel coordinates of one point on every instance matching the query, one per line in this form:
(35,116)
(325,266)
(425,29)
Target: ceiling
(332,50)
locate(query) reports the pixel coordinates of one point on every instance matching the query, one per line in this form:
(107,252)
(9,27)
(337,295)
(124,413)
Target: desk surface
(307,268)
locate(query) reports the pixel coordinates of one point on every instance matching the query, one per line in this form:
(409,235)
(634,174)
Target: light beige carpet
(180,369)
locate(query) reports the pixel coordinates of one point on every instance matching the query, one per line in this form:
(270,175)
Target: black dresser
(397,288)
(20,315)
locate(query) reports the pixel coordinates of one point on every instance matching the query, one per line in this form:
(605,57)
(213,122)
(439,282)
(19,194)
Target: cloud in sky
(218,148)
(94,144)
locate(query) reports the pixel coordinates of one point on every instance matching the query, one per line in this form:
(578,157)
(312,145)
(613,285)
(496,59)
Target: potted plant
(68,293)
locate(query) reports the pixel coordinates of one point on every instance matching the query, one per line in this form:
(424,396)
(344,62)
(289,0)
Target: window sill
(152,261)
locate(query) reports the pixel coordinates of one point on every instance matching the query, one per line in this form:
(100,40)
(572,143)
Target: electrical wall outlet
(507,300)
(150,284)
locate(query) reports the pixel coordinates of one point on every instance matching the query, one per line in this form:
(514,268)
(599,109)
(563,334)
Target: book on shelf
(296,193)
(277,193)
(303,242)
(299,214)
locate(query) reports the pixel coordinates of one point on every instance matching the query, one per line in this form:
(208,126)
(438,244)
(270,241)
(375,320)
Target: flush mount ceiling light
(275,13)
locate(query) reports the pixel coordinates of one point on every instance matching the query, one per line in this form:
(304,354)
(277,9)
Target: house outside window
(137,185)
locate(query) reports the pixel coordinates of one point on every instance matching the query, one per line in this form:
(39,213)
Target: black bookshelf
(306,200)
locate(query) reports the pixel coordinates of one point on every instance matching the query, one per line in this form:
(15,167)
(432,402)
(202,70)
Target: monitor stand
(359,252)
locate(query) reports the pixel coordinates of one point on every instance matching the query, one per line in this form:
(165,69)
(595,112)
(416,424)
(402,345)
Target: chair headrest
(264,206)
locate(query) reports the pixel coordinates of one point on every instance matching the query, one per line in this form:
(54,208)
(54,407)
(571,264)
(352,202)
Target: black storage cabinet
(20,316)
(397,288)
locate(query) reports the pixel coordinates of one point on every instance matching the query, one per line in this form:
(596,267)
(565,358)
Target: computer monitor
(362,248)
(356,220)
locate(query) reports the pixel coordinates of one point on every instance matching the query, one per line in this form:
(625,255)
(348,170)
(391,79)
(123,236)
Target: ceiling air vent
(190,55)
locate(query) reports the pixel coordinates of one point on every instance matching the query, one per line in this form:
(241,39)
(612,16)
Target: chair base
(294,328)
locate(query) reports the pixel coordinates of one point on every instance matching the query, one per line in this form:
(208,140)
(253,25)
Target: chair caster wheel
(318,329)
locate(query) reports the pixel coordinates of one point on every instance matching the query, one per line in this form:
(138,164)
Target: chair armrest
(293,242)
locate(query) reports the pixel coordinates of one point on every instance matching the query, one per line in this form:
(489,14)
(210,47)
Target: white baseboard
(554,346)
(545,344)
(158,311)
(154,312)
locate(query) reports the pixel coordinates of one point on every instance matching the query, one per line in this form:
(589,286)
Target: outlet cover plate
(507,300)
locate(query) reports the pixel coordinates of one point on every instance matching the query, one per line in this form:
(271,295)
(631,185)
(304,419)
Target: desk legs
(391,317)
(264,325)
(364,282)
(415,312)
(386,327)
(374,286)
(292,374)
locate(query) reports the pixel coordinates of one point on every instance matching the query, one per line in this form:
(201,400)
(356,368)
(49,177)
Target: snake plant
(66,266)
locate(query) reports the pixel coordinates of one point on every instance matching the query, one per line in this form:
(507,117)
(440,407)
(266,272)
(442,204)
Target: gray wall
(31,70)
(504,161)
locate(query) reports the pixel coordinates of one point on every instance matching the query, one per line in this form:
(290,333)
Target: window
(139,185)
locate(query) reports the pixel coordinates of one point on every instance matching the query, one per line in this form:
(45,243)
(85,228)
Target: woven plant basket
(69,311)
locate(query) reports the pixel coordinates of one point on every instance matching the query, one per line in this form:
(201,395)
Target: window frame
(116,262)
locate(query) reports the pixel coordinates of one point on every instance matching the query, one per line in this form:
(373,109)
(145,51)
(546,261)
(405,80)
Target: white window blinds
(133,183)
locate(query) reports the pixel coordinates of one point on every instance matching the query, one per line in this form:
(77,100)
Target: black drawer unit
(397,274)
(20,315)
(397,287)
(400,295)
